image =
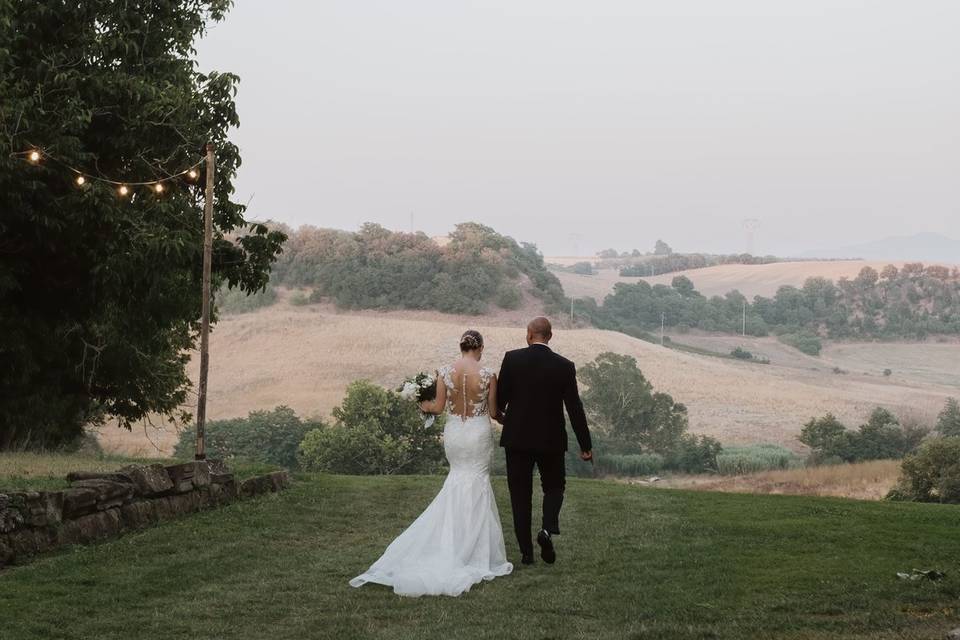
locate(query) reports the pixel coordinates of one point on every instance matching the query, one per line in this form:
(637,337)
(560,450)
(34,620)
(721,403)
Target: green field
(634,563)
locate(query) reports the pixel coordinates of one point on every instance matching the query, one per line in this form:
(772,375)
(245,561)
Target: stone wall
(99,506)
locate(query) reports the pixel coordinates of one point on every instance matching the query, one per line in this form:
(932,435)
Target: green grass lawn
(634,563)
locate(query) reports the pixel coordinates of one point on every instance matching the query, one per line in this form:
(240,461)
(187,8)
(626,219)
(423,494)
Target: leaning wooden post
(201,453)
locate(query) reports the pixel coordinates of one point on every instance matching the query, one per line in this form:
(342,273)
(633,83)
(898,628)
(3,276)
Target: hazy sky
(830,121)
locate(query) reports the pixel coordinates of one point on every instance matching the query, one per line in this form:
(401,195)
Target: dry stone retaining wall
(99,506)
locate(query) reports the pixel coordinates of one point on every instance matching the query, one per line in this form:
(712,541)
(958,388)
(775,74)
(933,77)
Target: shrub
(754,458)
(582,268)
(932,474)
(807,343)
(299,299)
(233,301)
(882,437)
(887,373)
(741,354)
(270,437)
(508,296)
(948,422)
(693,454)
(376,432)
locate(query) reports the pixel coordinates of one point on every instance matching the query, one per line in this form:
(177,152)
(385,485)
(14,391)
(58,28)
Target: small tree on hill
(661,248)
(948,422)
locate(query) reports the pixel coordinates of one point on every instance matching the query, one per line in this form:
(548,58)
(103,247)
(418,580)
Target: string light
(123,188)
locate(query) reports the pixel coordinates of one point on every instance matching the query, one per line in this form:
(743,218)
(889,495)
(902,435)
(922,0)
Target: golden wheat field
(750,279)
(304,357)
(863,480)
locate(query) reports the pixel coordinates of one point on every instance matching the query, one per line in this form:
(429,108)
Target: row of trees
(379,268)
(913,302)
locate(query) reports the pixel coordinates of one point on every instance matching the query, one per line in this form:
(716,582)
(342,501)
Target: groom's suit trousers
(520,480)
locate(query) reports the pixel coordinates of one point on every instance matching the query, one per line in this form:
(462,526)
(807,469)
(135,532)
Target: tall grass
(754,458)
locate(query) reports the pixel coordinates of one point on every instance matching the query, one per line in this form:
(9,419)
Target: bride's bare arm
(436,405)
(492,399)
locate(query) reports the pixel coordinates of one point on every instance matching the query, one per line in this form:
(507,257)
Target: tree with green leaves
(623,403)
(948,421)
(100,294)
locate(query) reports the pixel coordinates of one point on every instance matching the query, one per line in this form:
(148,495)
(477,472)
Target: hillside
(305,356)
(633,563)
(750,280)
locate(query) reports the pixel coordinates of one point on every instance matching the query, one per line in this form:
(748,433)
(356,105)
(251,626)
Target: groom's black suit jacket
(534,386)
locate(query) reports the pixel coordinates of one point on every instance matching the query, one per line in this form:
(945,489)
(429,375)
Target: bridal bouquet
(420,388)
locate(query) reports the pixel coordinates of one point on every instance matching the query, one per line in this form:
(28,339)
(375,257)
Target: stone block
(30,541)
(114,476)
(6,551)
(92,527)
(11,515)
(109,494)
(280,480)
(78,501)
(39,508)
(258,485)
(149,480)
(189,475)
(218,467)
(139,514)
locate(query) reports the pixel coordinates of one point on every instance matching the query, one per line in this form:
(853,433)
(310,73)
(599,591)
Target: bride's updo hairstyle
(471,340)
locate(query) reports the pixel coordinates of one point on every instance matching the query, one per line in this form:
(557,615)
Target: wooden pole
(210,165)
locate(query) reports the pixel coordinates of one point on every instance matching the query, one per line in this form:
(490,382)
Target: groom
(535,385)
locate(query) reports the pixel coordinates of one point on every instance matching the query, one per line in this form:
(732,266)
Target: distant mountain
(923,247)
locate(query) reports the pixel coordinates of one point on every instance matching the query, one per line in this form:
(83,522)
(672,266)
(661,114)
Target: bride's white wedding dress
(457,541)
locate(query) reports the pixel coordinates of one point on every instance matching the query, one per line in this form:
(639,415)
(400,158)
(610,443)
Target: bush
(582,268)
(741,354)
(376,432)
(299,299)
(948,422)
(882,437)
(270,437)
(754,458)
(807,343)
(508,296)
(232,301)
(932,474)
(887,373)
(693,454)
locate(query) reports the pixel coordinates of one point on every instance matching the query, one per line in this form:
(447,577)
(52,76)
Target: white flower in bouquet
(420,388)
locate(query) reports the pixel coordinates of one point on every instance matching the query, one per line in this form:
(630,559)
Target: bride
(457,541)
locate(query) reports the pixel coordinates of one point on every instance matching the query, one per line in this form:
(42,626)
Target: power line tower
(750,228)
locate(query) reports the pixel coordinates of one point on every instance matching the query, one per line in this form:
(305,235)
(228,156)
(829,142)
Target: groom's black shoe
(527,558)
(547,552)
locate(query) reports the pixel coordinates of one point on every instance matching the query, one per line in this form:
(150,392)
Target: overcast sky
(602,123)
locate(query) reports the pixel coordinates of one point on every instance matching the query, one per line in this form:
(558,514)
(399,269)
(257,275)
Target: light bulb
(123,190)
(81,181)
(34,156)
(158,187)
(192,174)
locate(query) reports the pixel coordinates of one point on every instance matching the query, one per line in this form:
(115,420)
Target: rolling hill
(305,356)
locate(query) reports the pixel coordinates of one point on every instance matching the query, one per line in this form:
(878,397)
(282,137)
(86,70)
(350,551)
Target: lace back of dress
(466,392)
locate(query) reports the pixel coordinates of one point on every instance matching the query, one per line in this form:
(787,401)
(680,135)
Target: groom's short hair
(540,327)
